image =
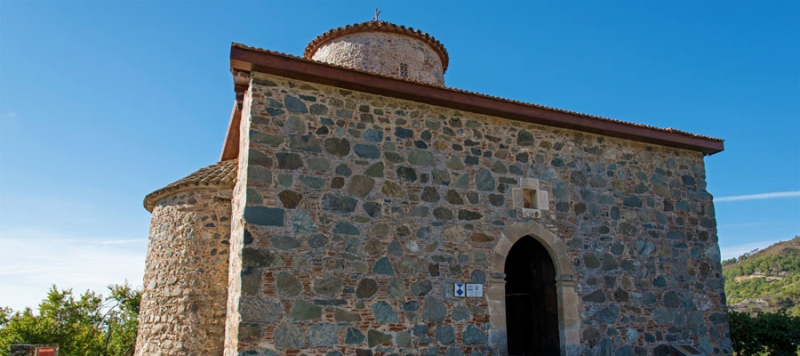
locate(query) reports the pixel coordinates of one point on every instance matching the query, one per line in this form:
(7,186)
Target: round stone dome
(220,175)
(384,48)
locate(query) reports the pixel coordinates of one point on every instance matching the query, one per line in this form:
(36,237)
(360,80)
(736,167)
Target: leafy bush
(86,325)
(773,334)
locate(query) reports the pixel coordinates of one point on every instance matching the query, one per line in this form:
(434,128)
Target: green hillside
(765,280)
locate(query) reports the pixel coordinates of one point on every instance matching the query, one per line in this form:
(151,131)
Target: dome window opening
(404,70)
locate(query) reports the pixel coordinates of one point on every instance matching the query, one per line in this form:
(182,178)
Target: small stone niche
(531,198)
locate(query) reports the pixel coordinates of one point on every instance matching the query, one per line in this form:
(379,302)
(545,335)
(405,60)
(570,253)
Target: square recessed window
(529,199)
(403,70)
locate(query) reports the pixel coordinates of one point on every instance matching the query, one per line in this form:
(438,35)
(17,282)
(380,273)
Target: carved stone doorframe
(568,301)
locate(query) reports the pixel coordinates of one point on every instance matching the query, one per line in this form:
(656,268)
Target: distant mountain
(765,280)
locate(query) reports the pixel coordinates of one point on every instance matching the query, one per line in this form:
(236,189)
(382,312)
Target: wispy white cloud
(9,120)
(758,224)
(9,116)
(775,195)
(21,271)
(33,261)
(728,252)
(120,242)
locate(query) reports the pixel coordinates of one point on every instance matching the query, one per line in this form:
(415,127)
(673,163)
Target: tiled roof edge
(219,175)
(670,130)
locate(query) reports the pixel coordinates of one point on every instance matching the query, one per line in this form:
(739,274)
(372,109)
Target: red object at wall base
(45,351)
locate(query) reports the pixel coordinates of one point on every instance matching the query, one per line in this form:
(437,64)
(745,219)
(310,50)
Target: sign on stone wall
(474,290)
(459,290)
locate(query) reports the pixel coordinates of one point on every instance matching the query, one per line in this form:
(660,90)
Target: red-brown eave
(248,59)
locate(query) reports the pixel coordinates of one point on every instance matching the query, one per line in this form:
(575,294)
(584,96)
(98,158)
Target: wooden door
(531,302)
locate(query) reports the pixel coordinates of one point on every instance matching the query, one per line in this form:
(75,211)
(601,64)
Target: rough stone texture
(354,214)
(382,52)
(433,206)
(185,291)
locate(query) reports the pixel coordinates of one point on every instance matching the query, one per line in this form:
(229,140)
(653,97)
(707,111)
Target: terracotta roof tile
(671,130)
(218,175)
(378,26)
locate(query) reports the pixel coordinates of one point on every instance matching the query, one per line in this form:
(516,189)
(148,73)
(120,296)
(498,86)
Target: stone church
(362,207)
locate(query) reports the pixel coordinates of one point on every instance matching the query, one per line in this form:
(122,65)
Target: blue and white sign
(459,290)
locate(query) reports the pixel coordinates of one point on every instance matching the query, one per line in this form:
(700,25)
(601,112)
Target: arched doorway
(531,300)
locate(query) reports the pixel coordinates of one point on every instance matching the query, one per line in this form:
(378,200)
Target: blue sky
(103,102)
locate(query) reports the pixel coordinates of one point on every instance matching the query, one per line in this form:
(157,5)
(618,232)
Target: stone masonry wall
(236,270)
(362,211)
(185,278)
(383,52)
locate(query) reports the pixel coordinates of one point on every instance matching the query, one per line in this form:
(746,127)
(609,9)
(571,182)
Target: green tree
(771,275)
(122,320)
(773,334)
(82,326)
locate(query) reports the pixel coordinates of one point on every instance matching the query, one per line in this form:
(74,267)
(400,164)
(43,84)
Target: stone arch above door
(568,301)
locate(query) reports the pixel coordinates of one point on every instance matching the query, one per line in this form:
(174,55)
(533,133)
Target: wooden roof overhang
(247,59)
